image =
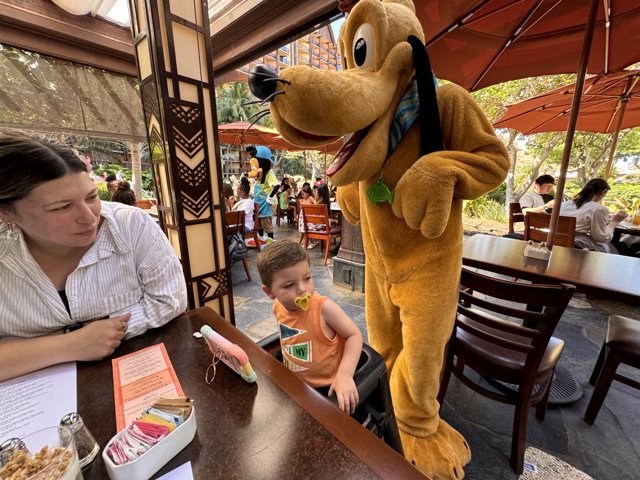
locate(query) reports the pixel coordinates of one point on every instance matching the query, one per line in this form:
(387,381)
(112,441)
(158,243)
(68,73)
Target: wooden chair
(536,228)
(288,213)
(501,350)
(256,225)
(622,345)
(234,223)
(318,215)
(515,215)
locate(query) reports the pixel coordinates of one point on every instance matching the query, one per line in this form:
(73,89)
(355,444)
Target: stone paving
(608,450)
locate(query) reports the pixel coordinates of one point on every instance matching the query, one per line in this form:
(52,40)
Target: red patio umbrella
(243,133)
(609,103)
(476,43)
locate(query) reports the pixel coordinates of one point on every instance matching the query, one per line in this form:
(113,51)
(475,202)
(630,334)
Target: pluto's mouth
(347,150)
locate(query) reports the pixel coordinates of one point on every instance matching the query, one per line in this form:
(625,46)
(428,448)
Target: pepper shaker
(8,447)
(86,445)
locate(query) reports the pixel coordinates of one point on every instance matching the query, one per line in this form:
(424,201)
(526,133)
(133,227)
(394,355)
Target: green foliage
(103,191)
(484,207)
(622,196)
(232,104)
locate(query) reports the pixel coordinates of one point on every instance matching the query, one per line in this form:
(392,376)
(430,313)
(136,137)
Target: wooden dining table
(277,427)
(615,277)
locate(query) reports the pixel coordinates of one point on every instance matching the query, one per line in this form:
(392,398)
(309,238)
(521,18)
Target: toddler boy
(319,341)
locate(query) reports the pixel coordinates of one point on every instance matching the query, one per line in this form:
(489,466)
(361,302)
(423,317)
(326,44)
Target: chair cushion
(501,363)
(624,334)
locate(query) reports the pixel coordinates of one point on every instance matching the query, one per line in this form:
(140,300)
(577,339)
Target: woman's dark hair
(227,190)
(323,194)
(307,189)
(26,163)
(265,165)
(590,190)
(124,194)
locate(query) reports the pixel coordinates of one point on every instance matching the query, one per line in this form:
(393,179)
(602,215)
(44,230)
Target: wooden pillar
(171,39)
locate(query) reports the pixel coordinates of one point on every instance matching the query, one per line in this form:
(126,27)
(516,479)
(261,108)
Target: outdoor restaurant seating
(621,345)
(515,216)
(256,225)
(536,228)
(519,359)
(234,224)
(317,225)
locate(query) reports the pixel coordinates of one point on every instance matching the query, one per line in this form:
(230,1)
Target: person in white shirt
(245,204)
(594,229)
(69,263)
(540,198)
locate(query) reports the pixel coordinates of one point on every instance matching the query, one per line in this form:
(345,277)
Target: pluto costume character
(408,201)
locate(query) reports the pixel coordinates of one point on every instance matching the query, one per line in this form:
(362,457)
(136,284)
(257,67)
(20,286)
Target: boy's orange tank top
(306,350)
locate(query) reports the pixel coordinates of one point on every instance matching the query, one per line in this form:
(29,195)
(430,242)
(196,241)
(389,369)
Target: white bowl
(156,457)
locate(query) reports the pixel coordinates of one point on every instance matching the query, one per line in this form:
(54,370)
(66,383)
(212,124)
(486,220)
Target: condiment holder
(156,457)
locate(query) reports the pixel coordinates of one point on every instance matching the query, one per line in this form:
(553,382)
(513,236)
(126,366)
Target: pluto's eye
(363,46)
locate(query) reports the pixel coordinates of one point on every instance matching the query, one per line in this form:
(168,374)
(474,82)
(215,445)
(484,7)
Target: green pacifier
(303,302)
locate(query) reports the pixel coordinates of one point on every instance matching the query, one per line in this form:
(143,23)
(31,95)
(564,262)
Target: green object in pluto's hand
(379,192)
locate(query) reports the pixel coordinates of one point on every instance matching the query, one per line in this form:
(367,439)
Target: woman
(124,194)
(68,263)
(306,198)
(594,231)
(244,204)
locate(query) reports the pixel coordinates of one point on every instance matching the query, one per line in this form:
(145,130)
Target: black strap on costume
(430,129)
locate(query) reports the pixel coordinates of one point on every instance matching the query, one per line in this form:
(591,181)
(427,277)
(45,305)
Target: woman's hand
(619,216)
(99,338)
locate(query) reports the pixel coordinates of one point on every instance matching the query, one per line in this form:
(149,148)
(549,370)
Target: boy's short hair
(278,256)
(544,179)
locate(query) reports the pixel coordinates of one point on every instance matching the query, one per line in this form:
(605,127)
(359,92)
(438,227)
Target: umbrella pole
(616,134)
(571,129)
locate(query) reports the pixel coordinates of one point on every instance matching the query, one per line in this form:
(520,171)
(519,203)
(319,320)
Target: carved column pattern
(172,44)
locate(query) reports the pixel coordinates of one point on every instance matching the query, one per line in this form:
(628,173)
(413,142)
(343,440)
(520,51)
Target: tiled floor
(608,450)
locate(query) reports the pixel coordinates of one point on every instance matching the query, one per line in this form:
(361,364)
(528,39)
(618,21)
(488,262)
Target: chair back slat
(536,228)
(492,321)
(234,223)
(499,341)
(527,316)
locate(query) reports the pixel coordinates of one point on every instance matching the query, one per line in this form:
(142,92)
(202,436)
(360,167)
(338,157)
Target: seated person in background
(594,230)
(309,322)
(112,183)
(68,260)
(229,199)
(124,194)
(283,199)
(244,204)
(306,197)
(539,199)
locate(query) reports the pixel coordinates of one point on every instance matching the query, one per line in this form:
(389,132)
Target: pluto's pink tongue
(303,302)
(345,152)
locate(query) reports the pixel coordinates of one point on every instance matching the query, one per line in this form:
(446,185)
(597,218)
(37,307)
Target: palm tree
(232,104)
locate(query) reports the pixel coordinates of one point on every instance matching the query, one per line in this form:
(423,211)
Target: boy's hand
(346,392)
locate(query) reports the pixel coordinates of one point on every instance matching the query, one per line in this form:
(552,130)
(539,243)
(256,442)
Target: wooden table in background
(278,427)
(612,276)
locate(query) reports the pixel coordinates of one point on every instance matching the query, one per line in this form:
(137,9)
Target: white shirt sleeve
(600,232)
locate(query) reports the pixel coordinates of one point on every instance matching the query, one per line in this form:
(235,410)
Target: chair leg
(256,237)
(598,366)
(326,250)
(519,436)
(541,408)
(246,267)
(611,362)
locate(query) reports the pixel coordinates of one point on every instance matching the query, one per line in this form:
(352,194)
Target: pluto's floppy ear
(430,129)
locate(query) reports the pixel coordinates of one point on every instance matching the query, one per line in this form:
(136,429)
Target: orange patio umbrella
(477,43)
(243,133)
(609,103)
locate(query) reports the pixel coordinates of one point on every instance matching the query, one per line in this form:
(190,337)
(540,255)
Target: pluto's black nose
(263,82)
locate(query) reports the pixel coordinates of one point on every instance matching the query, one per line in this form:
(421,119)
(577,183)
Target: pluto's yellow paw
(303,302)
(440,456)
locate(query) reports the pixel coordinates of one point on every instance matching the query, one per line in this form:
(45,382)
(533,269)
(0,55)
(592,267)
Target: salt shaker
(8,447)
(86,445)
